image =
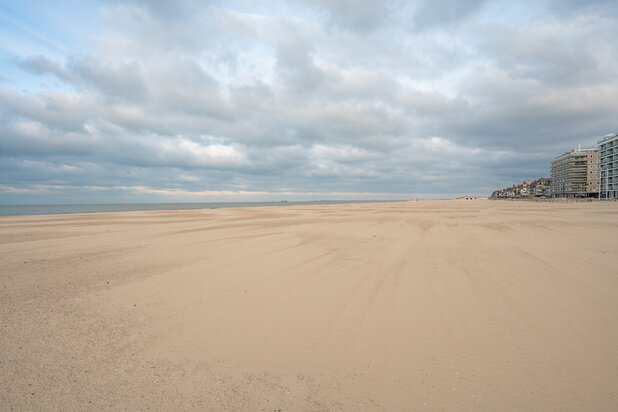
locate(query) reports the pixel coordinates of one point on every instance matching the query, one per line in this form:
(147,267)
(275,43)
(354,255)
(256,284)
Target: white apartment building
(608,166)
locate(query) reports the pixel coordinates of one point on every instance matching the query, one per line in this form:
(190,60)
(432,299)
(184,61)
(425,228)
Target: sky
(158,101)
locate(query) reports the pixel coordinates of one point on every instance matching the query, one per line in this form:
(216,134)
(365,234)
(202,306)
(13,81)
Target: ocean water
(19,210)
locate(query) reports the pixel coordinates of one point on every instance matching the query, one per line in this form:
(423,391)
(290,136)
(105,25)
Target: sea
(55,209)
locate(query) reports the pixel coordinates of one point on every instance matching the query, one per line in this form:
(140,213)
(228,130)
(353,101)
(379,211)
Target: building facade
(574,174)
(608,166)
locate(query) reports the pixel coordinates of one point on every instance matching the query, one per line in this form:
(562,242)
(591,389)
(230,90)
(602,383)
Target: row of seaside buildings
(537,188)
(589,172)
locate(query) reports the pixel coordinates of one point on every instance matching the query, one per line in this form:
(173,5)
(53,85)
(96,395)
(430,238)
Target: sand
(441,305)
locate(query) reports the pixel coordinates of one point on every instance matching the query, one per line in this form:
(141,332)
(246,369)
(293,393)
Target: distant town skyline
(155,101)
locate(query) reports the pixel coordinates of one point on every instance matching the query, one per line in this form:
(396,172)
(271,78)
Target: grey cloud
(557,54)
(251,97)
(576,7)
(116,80)
(183,85)
(295,65)
(441,13)
(35,139)
(43,65)
(361,16)
(368,16)
(163,9)
(167,27)
(54,110)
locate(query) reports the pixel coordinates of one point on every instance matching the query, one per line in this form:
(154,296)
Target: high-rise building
(608,166)
(574,174)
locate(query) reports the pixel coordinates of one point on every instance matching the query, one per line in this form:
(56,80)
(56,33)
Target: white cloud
(205,155)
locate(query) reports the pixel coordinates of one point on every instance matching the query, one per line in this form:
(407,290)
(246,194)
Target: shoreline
(143,207)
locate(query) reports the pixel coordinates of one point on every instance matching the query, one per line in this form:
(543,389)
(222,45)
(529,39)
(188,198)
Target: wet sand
(395,306)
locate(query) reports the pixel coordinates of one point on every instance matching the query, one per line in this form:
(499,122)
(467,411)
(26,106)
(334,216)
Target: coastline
(87,208)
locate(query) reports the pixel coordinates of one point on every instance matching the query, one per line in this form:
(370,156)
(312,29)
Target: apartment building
(574,174)
(608,166)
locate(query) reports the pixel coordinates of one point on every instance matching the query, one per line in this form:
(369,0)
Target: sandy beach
(432,305)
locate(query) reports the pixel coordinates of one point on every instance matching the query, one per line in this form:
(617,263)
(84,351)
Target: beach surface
(431,305)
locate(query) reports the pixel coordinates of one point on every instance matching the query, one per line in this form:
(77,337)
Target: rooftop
(578,150)
(607,138)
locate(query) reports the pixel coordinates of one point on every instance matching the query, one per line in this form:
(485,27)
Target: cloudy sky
(125,101)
